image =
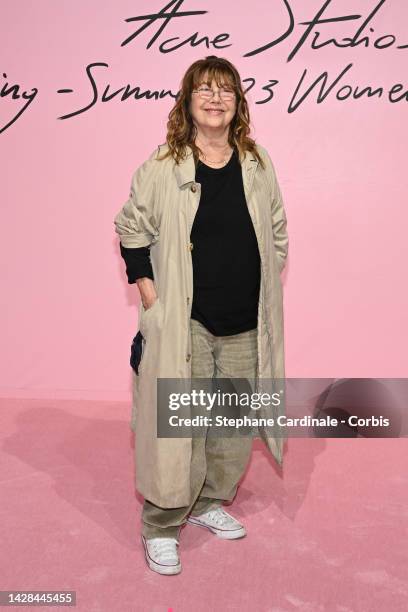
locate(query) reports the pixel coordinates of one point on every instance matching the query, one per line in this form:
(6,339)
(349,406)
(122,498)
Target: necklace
(223,161)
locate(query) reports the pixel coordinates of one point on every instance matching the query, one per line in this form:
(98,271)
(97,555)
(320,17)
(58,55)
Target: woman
(203,234)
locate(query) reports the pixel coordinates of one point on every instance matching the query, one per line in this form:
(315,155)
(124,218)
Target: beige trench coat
(163,201)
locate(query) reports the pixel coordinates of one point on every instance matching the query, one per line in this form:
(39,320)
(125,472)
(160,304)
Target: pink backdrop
(68,314)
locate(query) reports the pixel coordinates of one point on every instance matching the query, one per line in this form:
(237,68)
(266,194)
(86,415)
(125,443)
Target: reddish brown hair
(181,130)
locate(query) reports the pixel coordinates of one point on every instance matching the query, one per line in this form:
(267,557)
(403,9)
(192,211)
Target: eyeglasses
(206,93)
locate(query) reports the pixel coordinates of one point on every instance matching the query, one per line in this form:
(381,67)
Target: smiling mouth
(214,110)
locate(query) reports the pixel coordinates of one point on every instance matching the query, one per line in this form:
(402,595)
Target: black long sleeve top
(225,255)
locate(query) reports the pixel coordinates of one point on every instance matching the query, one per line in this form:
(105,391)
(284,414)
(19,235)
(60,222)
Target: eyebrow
(222,86)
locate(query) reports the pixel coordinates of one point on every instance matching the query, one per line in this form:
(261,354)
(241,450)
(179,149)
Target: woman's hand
(147,292)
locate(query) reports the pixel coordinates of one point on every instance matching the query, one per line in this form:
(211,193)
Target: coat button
(190,246)
(188,357)
(193,188)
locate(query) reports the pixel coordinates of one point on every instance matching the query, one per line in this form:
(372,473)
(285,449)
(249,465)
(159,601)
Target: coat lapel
(248,166)
(185,170)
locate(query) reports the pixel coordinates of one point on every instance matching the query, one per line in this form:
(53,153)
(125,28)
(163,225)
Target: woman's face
(214,114)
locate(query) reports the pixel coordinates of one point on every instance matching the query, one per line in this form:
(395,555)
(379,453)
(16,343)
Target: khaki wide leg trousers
(217,464)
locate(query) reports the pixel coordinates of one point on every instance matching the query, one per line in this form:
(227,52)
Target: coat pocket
(147,317)
(136,351)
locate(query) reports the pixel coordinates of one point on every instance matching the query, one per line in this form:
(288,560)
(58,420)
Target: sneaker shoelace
(165,548)
(220,517)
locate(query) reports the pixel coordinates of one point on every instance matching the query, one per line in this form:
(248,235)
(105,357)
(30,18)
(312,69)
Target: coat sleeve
(135,222)
(278,215)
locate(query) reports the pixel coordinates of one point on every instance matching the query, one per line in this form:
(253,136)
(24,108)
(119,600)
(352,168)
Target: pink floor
(331,534)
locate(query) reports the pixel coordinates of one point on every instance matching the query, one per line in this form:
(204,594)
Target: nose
(214,105)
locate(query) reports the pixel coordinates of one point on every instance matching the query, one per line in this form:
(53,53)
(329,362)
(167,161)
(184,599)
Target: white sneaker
(219,522)
(162,555)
